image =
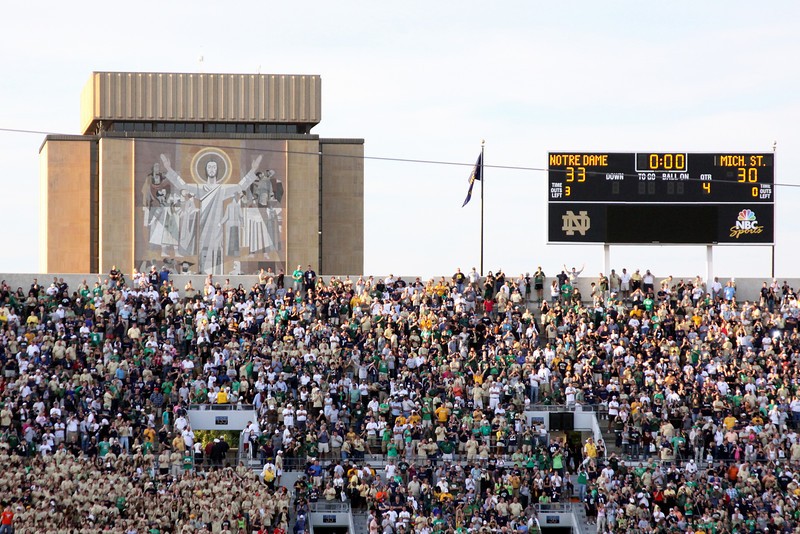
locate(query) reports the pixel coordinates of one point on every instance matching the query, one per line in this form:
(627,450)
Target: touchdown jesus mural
(212,209)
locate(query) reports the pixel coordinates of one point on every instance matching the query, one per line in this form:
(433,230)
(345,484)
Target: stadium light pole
(483,179)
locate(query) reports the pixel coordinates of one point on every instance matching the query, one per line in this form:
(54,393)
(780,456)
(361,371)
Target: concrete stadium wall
(746,288)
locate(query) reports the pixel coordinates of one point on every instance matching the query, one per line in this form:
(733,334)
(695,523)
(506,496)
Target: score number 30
(748,175)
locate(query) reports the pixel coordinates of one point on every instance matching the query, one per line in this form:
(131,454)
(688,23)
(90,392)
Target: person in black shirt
(35,289)
(635,439)
(459,280)
(154,278)
(309,279)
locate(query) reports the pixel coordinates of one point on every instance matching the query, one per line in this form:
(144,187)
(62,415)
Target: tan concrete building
(204,173)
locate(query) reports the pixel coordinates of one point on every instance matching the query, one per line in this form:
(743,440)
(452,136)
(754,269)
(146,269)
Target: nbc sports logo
(746,223)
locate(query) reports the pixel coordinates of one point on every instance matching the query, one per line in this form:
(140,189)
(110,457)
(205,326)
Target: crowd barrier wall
(746,288)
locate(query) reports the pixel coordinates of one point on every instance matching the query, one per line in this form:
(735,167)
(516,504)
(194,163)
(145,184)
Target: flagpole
(483,178)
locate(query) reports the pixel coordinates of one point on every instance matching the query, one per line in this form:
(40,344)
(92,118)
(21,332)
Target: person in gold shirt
(442,413)
(150,434)
(590,449)
(32,321)
(441,288)
(178,444)
(414,418)
(729,422)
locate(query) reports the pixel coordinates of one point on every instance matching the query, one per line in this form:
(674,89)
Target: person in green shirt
(485,429)
(566,291)
(297,279)
(583,479)
(558,463)
(95,338)
(188,460)
(447,448)
(103,447)
(386,439)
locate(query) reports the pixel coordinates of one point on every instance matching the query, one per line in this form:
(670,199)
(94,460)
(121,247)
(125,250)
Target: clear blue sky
(429,80)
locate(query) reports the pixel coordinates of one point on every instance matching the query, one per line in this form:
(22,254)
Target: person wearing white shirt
(533,380)
(473,277)
(716,288)
(648,281)
(494,395)
(613,411)
(390,470)
(181,423)
(288,416)
(570,392)
(625,283)
(301,417)
(188,437)
(795,408)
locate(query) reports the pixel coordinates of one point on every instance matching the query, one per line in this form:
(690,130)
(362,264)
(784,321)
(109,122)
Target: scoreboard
(661,197)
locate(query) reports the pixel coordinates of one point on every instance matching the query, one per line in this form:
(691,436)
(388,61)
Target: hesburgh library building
(204,173)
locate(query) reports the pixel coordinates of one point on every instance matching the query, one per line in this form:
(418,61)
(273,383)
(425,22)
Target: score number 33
(574,174)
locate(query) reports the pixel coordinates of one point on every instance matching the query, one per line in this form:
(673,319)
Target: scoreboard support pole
(709,266)
(606,259)
(772,247)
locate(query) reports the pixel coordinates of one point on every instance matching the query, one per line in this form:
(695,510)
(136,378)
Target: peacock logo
(747,215)
(746,224)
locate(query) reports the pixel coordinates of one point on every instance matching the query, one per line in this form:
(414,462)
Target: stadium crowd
(699,389)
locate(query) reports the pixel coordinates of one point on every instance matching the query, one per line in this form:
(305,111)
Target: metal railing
(563,507)
(221,407)
(328,507)
(576,407)
(373,460)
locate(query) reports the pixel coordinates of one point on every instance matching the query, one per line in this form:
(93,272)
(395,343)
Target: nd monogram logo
(576,223)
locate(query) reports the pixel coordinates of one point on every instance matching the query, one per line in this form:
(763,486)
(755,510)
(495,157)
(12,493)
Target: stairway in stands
(360,525)
(580,515)
(610,439)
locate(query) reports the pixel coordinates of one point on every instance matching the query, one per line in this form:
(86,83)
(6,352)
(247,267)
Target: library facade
(203,173)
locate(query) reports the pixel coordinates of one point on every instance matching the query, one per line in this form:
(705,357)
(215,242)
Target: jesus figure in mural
(212,196)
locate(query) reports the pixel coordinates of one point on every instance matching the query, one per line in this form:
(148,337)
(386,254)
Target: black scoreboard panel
(743,223)
(661,197)
(661,177)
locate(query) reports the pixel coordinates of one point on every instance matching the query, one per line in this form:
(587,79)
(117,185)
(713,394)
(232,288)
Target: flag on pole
(477,174)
